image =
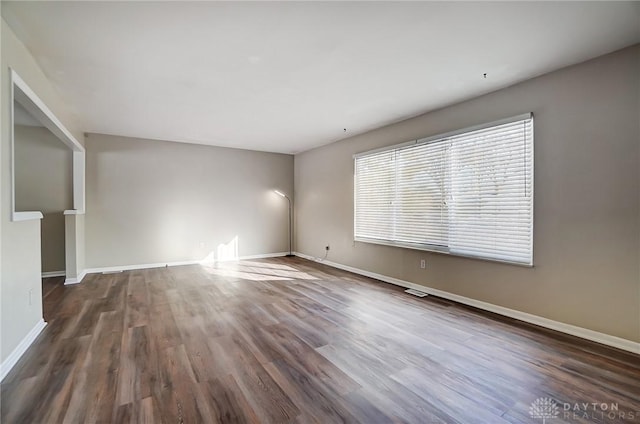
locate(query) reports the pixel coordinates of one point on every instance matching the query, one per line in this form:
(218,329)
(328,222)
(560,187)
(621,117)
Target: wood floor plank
(226,402)
(286,340)
(146,411)
(458,406)
(398,402)
(264,395)
(299,355)
(317,403)
(179,397)
(137,366)
(94,389)
(163,326)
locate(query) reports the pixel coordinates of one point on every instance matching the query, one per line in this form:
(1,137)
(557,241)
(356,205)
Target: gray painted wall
(155,202)
(20,241)
(44,182)
(587,199)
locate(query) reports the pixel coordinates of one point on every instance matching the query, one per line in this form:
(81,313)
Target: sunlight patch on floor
(257,271)
(226,272)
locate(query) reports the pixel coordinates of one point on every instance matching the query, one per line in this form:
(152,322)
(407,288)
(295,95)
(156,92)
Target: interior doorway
(47,183)
(43,182)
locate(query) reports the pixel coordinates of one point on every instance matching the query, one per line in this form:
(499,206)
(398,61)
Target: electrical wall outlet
(423,263)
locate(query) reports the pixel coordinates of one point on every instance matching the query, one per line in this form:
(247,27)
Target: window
(467,193)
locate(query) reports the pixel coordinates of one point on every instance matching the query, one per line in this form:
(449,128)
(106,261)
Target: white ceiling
(287,77)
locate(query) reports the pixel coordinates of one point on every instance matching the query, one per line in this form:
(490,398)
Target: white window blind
(468,193)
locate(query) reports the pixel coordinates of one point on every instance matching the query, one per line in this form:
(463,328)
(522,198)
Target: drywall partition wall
(587,202)
(151,202)
(43,182)
(20,244)
(74,240)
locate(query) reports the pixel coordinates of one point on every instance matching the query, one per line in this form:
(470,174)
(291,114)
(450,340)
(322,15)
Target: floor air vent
(416,292)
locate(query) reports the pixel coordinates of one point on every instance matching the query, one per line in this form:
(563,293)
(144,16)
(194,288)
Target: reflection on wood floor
(287,340)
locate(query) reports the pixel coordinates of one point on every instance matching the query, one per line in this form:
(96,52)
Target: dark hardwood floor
(290,341)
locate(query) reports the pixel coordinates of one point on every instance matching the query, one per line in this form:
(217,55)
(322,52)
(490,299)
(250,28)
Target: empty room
(320,212)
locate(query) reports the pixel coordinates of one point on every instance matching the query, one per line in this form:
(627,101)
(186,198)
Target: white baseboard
(179,263)
(22,347)
(49,274)
(573,330)
(262,256)
(75,280)
(138,266)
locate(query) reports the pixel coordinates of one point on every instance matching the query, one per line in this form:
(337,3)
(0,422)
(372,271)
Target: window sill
(26,216)
(438,249)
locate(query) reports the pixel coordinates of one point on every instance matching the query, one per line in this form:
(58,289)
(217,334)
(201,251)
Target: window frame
(445,249)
